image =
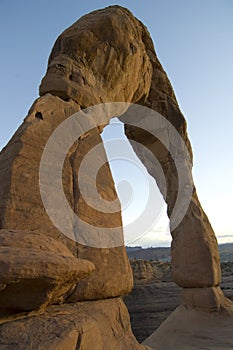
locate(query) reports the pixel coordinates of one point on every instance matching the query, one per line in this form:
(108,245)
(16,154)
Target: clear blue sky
(193,39)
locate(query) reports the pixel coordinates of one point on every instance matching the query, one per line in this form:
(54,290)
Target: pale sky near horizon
(193,40)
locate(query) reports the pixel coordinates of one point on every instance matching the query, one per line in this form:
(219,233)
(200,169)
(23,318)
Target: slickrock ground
(155,296)
(194,330)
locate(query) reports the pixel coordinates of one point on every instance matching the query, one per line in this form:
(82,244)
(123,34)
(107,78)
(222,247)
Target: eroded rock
(99,325)
(107,56)
(36,271)
(205,299)
(22,208)
(100,58)
(190,329)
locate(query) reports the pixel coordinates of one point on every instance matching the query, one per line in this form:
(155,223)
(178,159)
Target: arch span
(108,56)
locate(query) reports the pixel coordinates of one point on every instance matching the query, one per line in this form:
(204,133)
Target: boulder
(36,271)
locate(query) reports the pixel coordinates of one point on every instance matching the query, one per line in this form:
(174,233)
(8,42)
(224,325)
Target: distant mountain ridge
(164,253)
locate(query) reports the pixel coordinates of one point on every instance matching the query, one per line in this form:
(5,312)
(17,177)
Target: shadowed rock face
(106,56)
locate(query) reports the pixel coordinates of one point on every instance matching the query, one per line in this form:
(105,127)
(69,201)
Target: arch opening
(132,182)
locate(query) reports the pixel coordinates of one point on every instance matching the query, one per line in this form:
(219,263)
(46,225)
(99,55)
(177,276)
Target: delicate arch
(107,56)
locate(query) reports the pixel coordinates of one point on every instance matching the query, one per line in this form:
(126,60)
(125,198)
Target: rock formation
(36,271)
(106,56)
(102,324)
(154,297)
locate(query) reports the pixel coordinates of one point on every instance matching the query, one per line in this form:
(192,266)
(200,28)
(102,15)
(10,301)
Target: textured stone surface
(207,299)
(143,270)
(193,330)
(154,297)
(21,206)
(100,58)
(195,256)
(106,56)
(99,325)
(199,263)
(112,278)
(36,271)
(32,240)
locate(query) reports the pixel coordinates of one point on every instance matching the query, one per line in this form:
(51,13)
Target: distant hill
(163,253)
(226,252)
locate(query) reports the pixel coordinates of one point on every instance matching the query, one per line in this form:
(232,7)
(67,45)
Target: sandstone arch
(106,56)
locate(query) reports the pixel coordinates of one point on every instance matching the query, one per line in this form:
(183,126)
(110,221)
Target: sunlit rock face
(106,56)
(100,58)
